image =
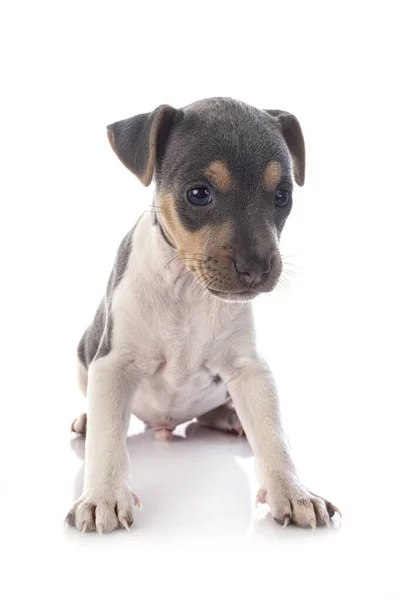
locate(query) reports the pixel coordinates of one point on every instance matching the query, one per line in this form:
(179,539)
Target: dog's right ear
(140,142)
(293,136)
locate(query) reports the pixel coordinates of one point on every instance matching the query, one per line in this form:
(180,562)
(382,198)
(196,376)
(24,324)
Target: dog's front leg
(107,500)
(254,396)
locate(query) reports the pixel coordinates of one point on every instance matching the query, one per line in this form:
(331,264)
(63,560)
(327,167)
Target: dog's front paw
(103,511)
(291,502)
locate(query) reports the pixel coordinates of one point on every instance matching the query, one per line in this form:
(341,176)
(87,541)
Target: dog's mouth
(218,277)
(240,296)
(225,294)
(244,295)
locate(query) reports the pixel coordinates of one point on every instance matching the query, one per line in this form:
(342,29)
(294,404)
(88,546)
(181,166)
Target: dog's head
(224,180)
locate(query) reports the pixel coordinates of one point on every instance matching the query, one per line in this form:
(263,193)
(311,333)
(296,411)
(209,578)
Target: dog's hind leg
(86,351)
(224,418)
(79,425)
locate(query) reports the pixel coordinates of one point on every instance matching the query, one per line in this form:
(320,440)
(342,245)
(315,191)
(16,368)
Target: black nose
(252,270)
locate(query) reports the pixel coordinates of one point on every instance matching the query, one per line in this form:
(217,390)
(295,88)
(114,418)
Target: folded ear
(291,131)
(139,142)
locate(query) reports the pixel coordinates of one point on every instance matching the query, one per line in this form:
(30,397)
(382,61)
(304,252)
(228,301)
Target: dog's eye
(282,198)
(200,195)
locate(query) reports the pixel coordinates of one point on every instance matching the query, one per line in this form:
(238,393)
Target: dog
(173,338)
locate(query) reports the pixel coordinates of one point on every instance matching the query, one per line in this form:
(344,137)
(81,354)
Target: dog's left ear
(140,142)
(293,136)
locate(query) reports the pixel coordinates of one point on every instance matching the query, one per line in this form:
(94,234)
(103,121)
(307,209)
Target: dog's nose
(252,270)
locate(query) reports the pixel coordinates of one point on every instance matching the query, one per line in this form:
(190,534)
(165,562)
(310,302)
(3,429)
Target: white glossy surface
(198,520)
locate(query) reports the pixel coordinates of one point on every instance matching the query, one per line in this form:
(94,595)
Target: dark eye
(282,198)
(200,195)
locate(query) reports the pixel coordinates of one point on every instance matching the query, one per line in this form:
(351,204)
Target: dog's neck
(156,222)
(159,263)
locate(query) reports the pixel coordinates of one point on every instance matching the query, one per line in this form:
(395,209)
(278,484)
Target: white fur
(170,337)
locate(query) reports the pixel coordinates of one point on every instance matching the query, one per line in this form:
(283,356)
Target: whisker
(185,259)
(292,269)
(292,265)
(283,285)
(198,285)
(170,261)
(291,273)
(187,272)
(285,256)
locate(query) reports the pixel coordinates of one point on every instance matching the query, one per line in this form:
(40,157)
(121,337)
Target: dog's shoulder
(121,261)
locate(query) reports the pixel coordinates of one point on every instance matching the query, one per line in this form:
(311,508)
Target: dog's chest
(182,386)
(185,339)
(173,329)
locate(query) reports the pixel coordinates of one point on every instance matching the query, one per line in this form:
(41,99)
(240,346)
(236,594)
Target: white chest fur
(181,386)
(168,325)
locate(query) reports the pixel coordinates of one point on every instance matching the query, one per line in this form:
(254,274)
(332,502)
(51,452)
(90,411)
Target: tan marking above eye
(219,174)
(272,175)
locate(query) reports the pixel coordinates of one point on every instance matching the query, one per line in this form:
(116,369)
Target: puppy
(173,338)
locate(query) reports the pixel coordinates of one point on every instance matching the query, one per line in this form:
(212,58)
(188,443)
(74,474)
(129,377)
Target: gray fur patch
(105,344)
(97,339)
(89,344)
(121,261)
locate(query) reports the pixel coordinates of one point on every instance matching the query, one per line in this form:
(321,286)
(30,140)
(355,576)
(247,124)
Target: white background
(332,338)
